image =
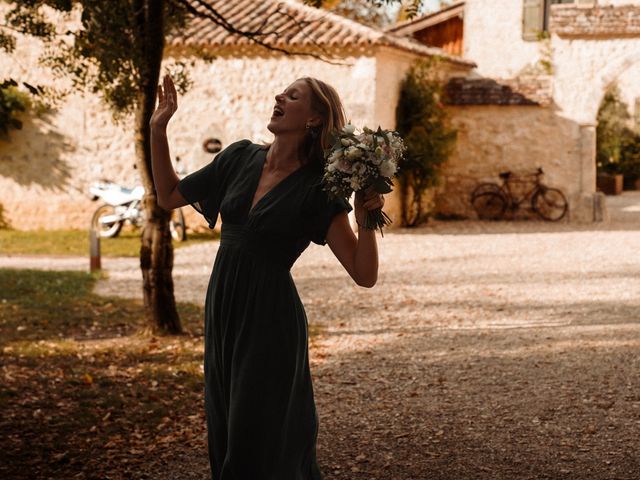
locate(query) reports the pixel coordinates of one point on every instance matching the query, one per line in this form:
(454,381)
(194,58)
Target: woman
(261,416)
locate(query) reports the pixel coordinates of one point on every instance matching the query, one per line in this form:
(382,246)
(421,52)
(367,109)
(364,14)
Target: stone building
(46,168)
(542,69)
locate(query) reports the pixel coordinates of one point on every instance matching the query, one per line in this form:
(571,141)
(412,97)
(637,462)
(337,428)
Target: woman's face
(292,110)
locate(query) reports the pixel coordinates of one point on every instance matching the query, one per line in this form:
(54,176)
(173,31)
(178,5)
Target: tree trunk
(156,251)
(409,200)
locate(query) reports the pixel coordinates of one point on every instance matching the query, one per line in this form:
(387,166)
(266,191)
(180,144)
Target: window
(533,19)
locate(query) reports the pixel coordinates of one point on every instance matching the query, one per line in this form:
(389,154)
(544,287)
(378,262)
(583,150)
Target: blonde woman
(261,416)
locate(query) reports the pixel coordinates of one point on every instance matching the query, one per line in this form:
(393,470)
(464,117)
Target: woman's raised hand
(167,104)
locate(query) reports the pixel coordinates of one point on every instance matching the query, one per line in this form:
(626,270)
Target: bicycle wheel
(489,205)
(485,188)
(550,204)
(105,221)
(177,226)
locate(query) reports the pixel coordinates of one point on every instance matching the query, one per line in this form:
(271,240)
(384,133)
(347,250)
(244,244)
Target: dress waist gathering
(274,250)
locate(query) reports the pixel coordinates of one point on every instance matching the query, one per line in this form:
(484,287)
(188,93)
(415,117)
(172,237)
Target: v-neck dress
(260,410)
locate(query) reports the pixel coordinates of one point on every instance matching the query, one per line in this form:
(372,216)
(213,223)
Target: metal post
(94,250)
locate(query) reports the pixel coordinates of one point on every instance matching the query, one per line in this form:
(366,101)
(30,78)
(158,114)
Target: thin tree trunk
(156,251)
(404,199)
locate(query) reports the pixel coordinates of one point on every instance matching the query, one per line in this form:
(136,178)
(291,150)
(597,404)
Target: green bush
(629,164)
(12,103)
(613,119)
(4,224)
(423,123)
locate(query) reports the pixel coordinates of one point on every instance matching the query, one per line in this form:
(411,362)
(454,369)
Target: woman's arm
(358,255)
(165,178)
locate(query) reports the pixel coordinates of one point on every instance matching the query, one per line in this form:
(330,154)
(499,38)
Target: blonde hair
(326,102)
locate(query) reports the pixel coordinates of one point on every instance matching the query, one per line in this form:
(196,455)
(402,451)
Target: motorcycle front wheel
(106,222)
(177,226)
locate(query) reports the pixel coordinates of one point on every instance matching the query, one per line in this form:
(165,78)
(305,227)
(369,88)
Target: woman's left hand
(366,200)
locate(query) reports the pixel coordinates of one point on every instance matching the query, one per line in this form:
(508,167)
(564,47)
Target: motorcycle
(124,205)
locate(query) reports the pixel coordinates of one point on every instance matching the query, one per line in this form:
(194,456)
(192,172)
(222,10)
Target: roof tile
(293,24)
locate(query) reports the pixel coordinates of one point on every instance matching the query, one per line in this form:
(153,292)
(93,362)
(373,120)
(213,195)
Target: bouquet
(357,161)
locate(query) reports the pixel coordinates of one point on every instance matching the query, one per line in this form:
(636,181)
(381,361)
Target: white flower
(387,169)
(352,152)
(349,128)
(345,142)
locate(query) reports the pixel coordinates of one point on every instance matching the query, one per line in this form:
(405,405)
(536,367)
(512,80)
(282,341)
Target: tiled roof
(293,25)
(486,91)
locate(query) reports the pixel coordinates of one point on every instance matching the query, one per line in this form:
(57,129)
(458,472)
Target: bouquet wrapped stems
(376,219)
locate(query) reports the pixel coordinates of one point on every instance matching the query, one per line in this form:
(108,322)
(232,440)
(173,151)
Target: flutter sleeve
(204,188)
(320,210)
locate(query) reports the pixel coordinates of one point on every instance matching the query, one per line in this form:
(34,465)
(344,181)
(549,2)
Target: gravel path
(486,351)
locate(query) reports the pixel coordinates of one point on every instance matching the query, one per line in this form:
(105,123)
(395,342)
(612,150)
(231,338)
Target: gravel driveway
(486,351)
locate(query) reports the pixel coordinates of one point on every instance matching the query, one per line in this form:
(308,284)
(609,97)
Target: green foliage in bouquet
(423,123)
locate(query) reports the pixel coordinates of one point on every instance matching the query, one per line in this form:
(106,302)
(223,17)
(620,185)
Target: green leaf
(32,90)
(381,185)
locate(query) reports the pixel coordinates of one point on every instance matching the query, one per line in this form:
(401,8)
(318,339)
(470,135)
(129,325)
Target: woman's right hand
(167,104)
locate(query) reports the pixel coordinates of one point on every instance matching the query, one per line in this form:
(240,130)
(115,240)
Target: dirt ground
(485,351)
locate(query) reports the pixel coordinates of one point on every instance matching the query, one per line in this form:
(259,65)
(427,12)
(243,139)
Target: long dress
(260,410)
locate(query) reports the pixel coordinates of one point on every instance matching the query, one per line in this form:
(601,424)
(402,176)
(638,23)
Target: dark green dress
(261,416)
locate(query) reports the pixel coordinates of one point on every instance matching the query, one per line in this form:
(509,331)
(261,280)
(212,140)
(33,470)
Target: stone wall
(493,139)
(493,38)
(585,68)
(582,66)
(600,21)
(46,168)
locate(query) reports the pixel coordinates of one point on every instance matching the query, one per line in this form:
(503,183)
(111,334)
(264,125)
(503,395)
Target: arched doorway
(587,67)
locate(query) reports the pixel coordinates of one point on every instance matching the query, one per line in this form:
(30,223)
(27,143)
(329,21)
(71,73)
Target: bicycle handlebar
(509,174)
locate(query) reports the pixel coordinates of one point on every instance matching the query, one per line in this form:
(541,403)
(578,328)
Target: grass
(86,392)
(76,242)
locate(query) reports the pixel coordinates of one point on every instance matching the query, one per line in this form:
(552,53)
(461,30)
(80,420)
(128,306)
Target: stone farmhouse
(542,69)
(46,168)
(525,79)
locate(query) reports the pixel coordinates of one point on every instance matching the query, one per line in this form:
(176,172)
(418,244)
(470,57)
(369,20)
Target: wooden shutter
(532,18)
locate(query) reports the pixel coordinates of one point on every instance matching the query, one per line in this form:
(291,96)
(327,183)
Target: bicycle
(491,200)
